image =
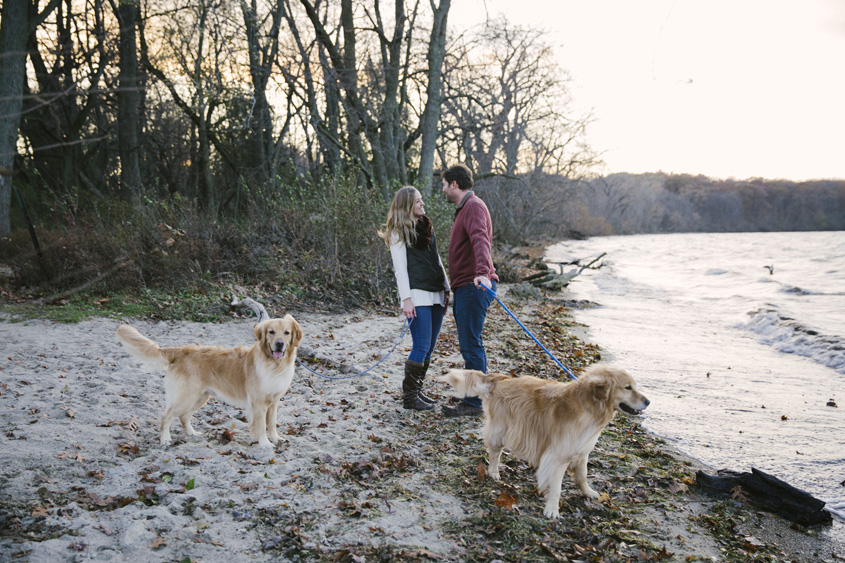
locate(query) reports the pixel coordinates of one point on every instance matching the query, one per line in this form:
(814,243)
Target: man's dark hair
(459,173)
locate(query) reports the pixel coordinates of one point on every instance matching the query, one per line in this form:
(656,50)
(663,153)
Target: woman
(423,286)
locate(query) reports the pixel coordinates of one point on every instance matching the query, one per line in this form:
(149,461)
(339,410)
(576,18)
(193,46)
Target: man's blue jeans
(424,331)
(469,307)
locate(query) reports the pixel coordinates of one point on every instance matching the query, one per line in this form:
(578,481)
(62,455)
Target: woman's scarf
(424,230)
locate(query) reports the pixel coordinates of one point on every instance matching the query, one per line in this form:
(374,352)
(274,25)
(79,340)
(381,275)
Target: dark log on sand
(303,351)
(767,492)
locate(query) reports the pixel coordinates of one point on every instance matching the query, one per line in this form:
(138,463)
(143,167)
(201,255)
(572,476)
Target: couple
(423,286)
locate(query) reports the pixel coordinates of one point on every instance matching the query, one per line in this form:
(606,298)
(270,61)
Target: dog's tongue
(278,355)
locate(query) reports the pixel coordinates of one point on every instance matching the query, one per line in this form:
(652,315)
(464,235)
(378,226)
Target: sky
(725,88)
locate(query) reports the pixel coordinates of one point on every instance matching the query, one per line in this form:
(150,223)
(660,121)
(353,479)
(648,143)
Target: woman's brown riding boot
(414,372)
(422,395)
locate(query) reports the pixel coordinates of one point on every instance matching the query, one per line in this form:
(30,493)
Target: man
(470,270)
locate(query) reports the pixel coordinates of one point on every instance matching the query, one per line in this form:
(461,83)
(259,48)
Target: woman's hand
(446,295)
(408,308)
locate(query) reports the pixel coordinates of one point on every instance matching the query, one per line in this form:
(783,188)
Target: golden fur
(253,378)
(551,425)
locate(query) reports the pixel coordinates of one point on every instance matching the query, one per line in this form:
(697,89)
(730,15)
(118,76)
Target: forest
(174,145)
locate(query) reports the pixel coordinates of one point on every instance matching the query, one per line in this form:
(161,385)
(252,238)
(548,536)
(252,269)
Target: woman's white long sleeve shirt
(419,297)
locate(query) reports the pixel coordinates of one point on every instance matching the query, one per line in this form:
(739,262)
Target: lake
(738,339)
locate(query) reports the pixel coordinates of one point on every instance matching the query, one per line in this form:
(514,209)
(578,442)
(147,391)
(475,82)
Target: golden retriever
(551,425)
(253,378)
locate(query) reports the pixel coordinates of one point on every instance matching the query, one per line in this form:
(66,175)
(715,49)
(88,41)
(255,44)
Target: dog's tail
(470,382)
(142,347)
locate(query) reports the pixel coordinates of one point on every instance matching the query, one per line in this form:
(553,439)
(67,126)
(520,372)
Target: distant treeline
(621,204)
(661,203)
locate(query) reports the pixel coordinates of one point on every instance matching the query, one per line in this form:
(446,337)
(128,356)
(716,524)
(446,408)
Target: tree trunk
(431,113)
(344,66)
(261,59)
(14,25)
(128,100)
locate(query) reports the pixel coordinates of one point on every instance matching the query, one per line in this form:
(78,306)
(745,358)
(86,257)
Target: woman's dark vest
(424,270)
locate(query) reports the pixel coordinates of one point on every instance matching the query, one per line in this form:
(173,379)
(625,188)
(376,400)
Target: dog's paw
(265,443)
(494,474)
(588,492)
(551,512)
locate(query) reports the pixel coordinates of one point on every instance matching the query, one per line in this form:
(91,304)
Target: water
(739,364)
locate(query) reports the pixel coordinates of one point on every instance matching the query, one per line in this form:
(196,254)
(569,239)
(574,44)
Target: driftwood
(303,351)
(549,279)
(768,492)
(252,305)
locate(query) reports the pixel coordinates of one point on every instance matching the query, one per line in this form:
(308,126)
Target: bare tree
(262,35)
(507,106)
(371,57)
(66,122)
(14,31)
(198,55)
(320,127)
(434,87)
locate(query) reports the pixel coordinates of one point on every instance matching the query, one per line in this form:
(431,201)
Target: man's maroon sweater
(470,243)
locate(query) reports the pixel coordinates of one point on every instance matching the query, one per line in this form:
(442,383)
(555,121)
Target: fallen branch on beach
(303,351)
(768,492)
(554,281)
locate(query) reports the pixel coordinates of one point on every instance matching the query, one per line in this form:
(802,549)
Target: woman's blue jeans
(469,307)
(424,331)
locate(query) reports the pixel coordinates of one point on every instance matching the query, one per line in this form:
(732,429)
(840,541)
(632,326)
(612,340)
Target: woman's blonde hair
(400,217)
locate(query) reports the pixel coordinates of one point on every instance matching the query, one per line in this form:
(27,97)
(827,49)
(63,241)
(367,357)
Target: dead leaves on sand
(373,469)
(514,352)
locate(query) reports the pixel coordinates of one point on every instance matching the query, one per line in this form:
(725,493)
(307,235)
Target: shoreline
(84,477)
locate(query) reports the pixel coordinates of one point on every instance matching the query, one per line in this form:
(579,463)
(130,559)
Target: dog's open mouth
(278,350)
(630,410)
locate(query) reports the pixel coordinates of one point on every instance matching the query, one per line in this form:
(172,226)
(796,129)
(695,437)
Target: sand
(83,477)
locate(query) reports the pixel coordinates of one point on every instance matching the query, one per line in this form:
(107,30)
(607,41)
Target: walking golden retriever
(551,425)
(252,378)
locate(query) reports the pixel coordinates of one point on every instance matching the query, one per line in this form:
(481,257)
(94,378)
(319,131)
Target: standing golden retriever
(252,378)
(551,425)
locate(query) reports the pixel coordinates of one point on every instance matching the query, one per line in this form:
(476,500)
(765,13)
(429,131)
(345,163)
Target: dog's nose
(647,402)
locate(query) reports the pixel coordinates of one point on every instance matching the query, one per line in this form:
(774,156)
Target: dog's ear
(258,330)
(296,334)
(600,389)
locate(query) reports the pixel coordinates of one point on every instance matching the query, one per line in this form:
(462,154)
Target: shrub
(307,240)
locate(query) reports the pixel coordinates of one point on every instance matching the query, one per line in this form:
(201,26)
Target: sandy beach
(83,477)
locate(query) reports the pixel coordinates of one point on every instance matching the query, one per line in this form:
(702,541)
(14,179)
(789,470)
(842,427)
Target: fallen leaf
(677,487)
(40,511)
(507,501)
(128,448)
(482,470)
(737,494)
(157,543)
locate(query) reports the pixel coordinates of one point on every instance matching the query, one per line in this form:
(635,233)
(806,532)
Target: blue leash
(405,326)
(563,367)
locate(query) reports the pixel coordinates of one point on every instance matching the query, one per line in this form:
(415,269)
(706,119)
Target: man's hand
(479,280)
(408,308)
(446,294)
